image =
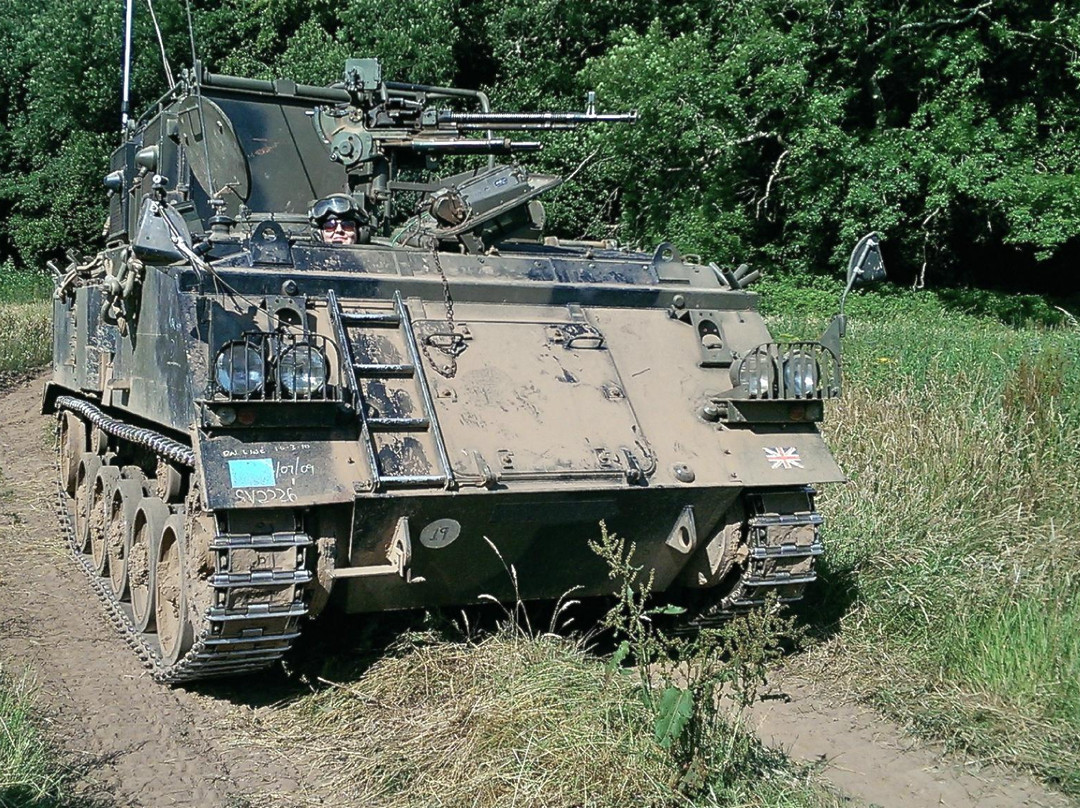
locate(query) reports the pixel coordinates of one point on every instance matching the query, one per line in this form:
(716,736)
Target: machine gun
(385,120)
(386,126)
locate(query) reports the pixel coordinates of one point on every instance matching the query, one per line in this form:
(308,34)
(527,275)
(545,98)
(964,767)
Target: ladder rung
(788,551)
(265,542)
(412,481)
(386,319)
(377,371)
(224,642)
(398,424)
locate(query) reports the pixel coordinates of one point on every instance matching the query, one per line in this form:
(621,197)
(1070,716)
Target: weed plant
(951,589)
(682,676)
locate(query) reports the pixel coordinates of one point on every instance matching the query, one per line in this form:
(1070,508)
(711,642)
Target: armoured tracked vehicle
(254,422)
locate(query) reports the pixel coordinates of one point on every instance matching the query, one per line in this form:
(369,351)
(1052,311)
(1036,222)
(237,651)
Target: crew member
(336,219)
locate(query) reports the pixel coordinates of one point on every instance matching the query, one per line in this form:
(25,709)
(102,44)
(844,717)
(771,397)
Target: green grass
(954,552)
(509,720)
(29,777)
(22,286)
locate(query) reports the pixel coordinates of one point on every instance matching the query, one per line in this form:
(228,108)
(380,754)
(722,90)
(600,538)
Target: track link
(783,541)
(256,589)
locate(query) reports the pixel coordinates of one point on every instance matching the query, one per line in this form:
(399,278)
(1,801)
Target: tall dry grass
(25,335)
(509,720)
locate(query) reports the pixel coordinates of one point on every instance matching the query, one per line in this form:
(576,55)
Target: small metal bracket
(715,352)
(576,335)
(400,554)
(270,245)
(683,536)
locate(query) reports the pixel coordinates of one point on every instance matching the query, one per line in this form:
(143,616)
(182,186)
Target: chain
(454,343)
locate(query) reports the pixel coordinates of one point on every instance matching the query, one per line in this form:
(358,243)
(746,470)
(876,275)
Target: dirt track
(138,743)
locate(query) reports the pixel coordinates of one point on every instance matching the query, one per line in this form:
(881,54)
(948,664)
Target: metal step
(398,424)
(378,371)
(746,603)
(786,520)
(259,612)
(781,580)
(371,319)
(264,638)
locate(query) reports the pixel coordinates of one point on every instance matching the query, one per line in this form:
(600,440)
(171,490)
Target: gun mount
(385,142)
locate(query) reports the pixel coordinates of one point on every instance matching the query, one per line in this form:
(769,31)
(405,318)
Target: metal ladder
(397,319)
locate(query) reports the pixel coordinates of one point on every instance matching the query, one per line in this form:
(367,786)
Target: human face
(338,231)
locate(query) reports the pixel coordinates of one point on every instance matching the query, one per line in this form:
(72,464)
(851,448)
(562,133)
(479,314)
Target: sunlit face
(339,231)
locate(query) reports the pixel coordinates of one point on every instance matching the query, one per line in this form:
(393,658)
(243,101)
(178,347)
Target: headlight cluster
(766,373)
(241,370)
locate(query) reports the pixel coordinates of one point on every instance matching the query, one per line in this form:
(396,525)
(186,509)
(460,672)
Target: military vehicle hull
(571,403)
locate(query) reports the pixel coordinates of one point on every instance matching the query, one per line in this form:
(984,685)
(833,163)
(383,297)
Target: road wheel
(146,528)
(72,448)
(98,512)
(89,465)
(175,634)
(125,502)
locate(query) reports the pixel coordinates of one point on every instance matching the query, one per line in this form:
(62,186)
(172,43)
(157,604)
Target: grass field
(951,596)
(26,340)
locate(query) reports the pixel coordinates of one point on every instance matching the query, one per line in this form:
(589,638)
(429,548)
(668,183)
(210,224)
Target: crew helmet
(340,206)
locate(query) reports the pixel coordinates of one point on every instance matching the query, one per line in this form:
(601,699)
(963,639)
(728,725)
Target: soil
(136,743)
(873,760)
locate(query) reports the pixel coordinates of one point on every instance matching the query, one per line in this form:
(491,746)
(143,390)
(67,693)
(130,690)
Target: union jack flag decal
(780,458)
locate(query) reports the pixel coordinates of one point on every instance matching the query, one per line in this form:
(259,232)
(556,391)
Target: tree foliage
(775,131)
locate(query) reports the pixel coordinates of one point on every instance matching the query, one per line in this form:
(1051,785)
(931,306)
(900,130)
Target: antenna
(125,93)
(161,44)
(191,33)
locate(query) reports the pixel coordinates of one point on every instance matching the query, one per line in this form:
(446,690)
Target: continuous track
(255,586)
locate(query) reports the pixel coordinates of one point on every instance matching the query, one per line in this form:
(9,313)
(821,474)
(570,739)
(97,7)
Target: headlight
(301,370)
(239,369)
(756,373)
(800,374)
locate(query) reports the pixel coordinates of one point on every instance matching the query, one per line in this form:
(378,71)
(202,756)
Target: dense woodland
(774,131)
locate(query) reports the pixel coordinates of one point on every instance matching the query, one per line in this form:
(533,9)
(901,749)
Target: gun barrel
(474,146)
(513,127)
(493,120)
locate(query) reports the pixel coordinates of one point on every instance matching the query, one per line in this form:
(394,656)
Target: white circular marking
(440,533)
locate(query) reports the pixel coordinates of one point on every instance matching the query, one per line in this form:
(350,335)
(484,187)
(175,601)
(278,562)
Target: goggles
(337,205)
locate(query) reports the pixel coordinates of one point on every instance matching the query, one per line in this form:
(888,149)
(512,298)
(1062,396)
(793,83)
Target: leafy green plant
(683,676)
